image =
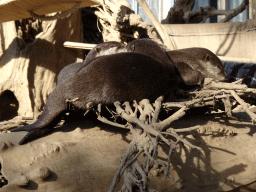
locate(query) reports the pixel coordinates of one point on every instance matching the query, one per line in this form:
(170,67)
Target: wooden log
(76,45)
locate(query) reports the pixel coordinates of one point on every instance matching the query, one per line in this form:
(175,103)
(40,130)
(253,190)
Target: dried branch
(228,106)
(229,86)
(175,14)
(235,12)
(162,32)
(206,12)
(164,124)
(119,22)
(147,128)
(182,12)
(244,105)
(158,105)
(145,142)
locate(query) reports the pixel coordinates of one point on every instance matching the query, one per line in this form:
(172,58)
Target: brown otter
(152,49)
(68,71)
(119,77)
(105,48)
(196,64)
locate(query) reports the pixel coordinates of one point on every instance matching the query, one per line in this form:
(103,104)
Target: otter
(109,78)
(196,64)
(68,71)
(105,48)
(152,49)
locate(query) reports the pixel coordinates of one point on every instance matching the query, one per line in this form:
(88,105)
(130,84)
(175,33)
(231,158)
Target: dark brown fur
(119,77)
(152,49)
(68,71)
(196,64)
(106,48)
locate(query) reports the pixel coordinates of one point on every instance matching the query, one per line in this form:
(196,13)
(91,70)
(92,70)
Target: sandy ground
(84,156)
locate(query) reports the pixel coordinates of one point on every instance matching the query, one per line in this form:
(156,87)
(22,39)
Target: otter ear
(207,58)
(97,50)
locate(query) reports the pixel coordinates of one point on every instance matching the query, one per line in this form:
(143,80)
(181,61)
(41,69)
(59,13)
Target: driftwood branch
(206,12)
(162,32)
(119,23)
(244,105)
(182,12)
(235,12)
(146,136)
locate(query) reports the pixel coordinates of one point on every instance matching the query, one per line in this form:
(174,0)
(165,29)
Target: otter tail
(53,110)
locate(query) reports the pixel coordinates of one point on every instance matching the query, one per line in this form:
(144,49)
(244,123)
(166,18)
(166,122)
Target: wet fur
(119,77)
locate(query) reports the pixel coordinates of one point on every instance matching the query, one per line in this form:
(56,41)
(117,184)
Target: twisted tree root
(147,131)
(146,137)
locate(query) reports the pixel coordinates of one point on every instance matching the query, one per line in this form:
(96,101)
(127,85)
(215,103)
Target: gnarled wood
(182,12)
(32,54)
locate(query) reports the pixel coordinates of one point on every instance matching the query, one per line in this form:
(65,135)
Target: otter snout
(222,76)
(214,70)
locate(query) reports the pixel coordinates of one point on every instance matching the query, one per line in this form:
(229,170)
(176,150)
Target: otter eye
(207,58)
(97,50)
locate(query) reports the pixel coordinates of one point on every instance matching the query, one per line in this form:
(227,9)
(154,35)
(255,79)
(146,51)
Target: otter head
(213,68)
(210,64)
(105,48)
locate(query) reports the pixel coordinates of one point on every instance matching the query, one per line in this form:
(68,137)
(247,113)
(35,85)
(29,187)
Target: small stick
(238,81)
(183,129)
(228,106)
(104,120)
(148,128)
(228,86)
(127,107)
(244,105)
(164,124)
(174,134)
(158,104)
(78,45)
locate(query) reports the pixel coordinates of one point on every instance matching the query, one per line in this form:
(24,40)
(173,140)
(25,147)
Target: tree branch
(162,32)
(235,11)
(182,12)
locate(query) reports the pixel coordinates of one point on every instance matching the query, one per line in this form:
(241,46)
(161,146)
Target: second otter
(196,64)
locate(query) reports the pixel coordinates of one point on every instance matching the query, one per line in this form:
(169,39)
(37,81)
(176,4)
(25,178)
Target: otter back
(152,49)
(120,77)
(68,71)
(106,48)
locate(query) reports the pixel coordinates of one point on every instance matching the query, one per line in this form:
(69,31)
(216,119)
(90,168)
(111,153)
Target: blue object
(236,71)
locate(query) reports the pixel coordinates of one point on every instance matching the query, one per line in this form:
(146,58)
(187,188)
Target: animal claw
(33,135)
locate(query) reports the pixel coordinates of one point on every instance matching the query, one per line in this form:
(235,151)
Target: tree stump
(31,56)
